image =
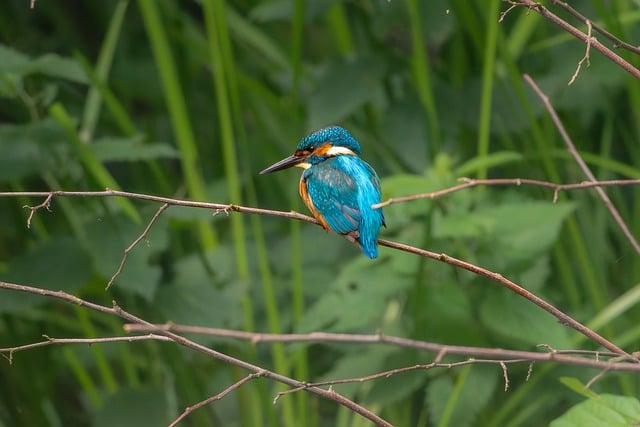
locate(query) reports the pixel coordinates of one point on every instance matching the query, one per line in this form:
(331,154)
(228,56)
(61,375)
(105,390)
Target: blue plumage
(337,186)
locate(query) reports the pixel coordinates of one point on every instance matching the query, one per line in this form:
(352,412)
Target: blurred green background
(192,99)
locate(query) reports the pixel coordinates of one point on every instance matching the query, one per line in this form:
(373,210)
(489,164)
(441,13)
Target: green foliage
(192,99)
(599,409)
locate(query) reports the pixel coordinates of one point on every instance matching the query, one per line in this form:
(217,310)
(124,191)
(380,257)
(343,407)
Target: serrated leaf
(12,61)
(499,158)
(129,407)
(57,66)
(17,63)
(343,88)
(110,236)
(358,298)
(516,318)
(578,386)
(519,230)
(58,264)
(30,149)
(479,385)
(605,410)
(195,296)
(130,150)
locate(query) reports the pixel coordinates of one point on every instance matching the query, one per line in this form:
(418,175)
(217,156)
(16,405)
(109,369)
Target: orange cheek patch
(322,150)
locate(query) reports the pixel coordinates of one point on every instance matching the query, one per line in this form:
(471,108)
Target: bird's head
(318,146)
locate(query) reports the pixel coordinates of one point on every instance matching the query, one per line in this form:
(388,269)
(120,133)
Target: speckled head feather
(337,136)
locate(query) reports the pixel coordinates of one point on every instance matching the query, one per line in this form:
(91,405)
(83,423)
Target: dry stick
(616,41)
(218,207)
(226,208)
(53,341)
(585,169)
(468,183)
(595,43)
(565,319)
(567,357)
(585,57)
(117,311)
(144,234)
(218,396)
(498,278)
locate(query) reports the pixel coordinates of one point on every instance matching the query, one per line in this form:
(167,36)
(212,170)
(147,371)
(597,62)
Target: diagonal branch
(617,43)
(564,25)
(583,166)
(119,312)
(565,319)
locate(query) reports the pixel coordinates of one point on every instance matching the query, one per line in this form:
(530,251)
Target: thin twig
(595,43)
(134,243)
(119,312)
(32,209)
(585,57)
(469,183)
(588,358)
(564,318)
(583,166)
(53,341)
(617,43)
(218,396)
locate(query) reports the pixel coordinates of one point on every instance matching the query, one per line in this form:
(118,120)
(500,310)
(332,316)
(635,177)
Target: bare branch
(498,278)
(565,26)
(89,341)
(46,204)
(469,183)
(119,312)
(135,242)
(218,396)
(617,43)
(588,358)
(583,166)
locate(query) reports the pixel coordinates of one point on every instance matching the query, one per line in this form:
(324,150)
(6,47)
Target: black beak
(284,164)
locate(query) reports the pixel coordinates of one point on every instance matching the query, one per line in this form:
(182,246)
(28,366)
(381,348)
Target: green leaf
(130,150)
(58,264)
(475,392)
(14,62)
(604,410)
(342,89)
(31,149)
(519,230)
(56,66)
(195,296)
(516,318)
(358,298)
(110,236)
(499,158)
(128,407)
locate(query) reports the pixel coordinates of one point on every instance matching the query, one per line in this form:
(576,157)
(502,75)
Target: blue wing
(334,195)
(340,192)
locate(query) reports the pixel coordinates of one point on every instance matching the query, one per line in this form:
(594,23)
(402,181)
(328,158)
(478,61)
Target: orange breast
(304,194)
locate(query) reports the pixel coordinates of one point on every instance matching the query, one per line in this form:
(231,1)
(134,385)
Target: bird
(337,186)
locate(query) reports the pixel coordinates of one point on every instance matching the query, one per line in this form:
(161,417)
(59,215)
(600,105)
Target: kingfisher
(338,187)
